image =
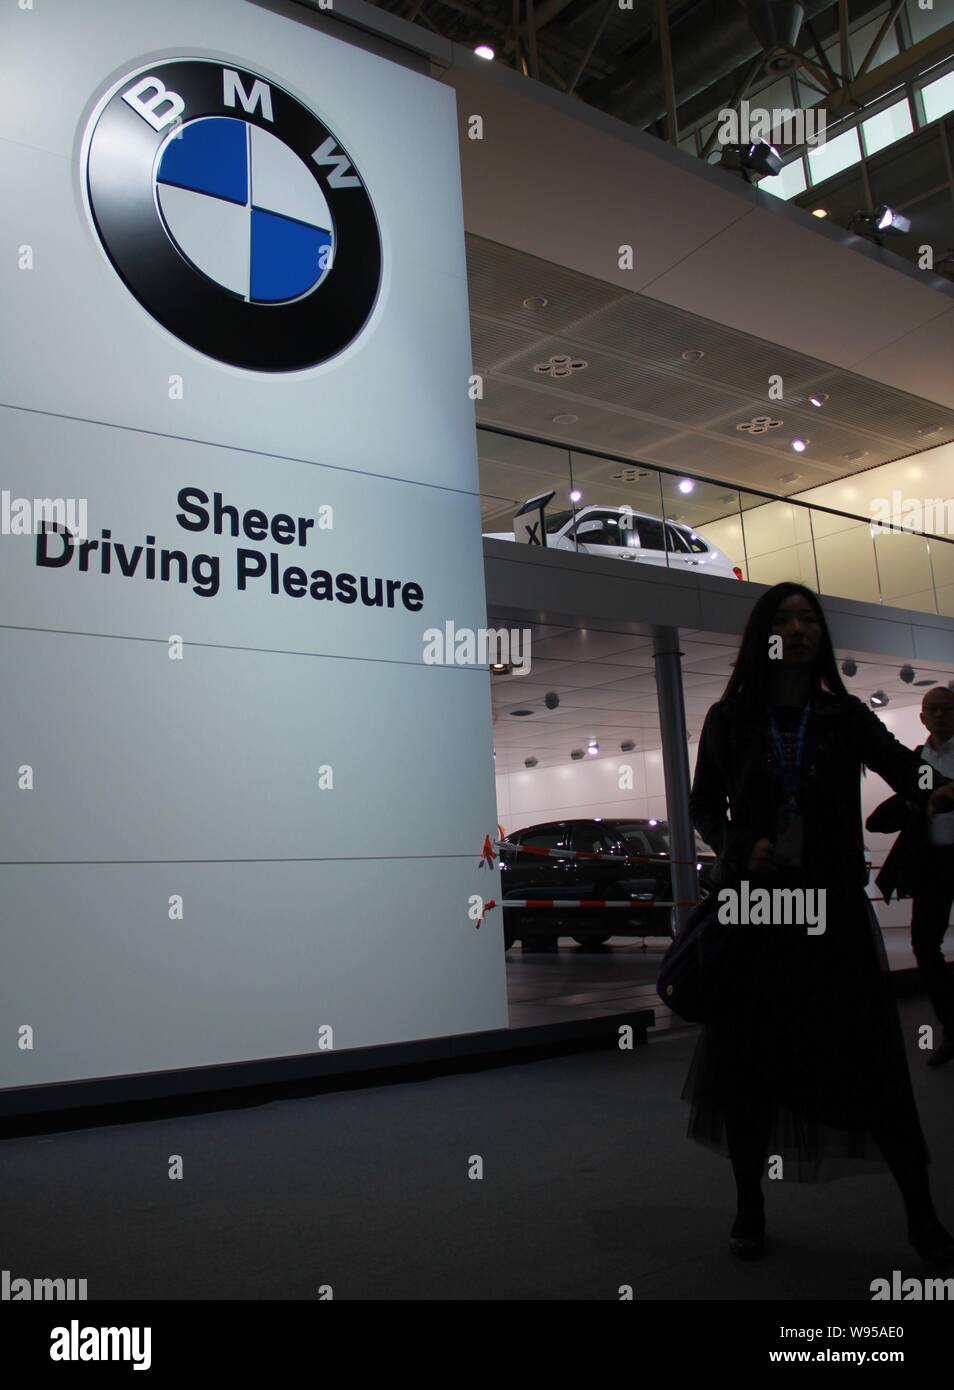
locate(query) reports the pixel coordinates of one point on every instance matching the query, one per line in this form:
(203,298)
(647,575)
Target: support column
(672,726)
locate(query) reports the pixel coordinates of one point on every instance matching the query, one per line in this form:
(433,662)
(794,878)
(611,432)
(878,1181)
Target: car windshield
(556,520)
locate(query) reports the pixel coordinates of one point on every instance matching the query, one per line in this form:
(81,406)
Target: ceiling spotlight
(535,301)
(551,699)
(576,754)
(483,50)
(529,762)
(499,668)
(819,212)
(879,698)
(592,748)
(627,745)
(686,485)
(884,221)
(576,495)
(753,161)
(925,430)
(799,445)
(855,455)
(849,667)
(565,419)
(521,713)
(789,478)
(818,398)
(693,355)
(907,674)
(654,822)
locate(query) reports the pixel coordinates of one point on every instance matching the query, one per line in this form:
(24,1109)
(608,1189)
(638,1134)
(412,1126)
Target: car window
(550,837)
(694,542)
(677,540)
(611,532)
(650,533)
(593,837)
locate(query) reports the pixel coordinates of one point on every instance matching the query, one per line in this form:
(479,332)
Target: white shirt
(941,828)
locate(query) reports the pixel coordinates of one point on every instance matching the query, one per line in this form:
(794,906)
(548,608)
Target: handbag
(690,975)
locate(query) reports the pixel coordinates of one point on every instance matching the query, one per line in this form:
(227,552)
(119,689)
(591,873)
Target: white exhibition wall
(591,788)
(223,854)
(778,538)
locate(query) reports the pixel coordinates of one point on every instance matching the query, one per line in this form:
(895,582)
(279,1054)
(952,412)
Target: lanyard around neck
(790,769)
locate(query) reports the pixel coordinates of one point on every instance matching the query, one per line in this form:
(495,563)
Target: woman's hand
(762,858)
(941,800)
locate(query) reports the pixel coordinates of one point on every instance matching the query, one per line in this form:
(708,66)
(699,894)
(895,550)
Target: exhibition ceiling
(606,684)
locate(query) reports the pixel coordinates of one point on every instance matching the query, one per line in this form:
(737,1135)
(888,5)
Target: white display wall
(265,843)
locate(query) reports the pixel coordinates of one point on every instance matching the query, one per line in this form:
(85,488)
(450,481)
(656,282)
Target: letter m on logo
(261,94)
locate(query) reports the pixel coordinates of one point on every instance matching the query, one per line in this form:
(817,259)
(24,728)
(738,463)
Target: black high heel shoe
(932,1241)
(747,1237)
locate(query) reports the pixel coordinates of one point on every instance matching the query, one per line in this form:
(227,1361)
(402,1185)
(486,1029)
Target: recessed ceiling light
(819,212)
(928,429)
(790,477)
(483,50)
(799,445)
(818,398)
(878,699)
(693,355)
(576,495)
(535,301)
(565,419)
(592,748)
(855,455)
(686,485)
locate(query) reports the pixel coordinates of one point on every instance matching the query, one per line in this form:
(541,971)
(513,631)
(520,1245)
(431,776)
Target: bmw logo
(233,214)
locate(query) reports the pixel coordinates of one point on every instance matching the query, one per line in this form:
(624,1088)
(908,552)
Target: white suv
(621,533)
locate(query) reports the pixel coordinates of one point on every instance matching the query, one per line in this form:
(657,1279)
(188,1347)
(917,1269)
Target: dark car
(527,873)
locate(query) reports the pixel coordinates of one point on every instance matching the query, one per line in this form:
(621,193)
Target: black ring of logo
(264,337)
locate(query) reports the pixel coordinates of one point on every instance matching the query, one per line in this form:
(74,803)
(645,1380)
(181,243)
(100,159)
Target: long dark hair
(750,675)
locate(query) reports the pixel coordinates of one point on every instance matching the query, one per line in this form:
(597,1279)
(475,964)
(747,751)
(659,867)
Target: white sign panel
(242,814)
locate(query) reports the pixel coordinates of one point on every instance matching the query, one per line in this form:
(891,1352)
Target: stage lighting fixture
(849,667)
(753,161)
(879,698)
(884,221)
(907,674)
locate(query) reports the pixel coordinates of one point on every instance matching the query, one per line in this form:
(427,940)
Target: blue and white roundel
(234,214)
(243,209)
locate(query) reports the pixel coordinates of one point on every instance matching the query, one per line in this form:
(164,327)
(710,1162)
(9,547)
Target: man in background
(920,865)
(934,887)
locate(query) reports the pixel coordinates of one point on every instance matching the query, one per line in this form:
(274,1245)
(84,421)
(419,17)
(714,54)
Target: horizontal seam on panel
(235,647)
(237,449)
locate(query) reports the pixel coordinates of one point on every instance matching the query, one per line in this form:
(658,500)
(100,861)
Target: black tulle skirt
(808,1026)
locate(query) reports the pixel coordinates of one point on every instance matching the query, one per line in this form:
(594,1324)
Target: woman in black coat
(804,1058)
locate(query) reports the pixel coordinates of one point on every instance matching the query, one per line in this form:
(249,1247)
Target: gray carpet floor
(588,1183)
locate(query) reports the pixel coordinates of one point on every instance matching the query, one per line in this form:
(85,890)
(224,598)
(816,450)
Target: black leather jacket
(737,797)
